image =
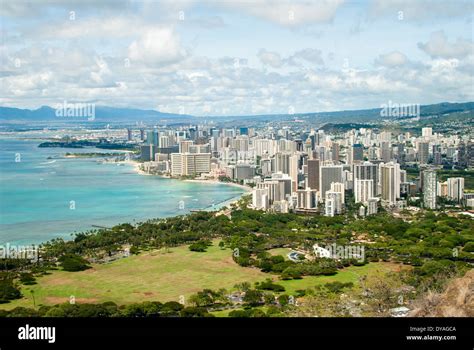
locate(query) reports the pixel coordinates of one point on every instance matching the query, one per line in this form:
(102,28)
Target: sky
(236,57)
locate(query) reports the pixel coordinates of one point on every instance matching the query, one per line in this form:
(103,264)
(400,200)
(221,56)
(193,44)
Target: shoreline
(216,207)
(136,166)
(217,182)
(225,203)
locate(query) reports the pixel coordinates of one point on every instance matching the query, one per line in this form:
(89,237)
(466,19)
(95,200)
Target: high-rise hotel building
(429,189)
(390,182)
(187,164)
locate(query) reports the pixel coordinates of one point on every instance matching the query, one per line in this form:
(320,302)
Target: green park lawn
(280,251)
(164,275)
(348,274)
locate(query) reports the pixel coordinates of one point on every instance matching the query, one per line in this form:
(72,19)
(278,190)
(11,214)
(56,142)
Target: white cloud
(392,59)
(298,59)
(420,10)
(313,56)
(85,60)
(272,59)
(289,13)
(33,8)
(157,45)
(439,47)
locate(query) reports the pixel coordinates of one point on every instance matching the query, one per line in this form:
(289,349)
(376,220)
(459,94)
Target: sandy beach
(136,166)
(227,203)
(246,188)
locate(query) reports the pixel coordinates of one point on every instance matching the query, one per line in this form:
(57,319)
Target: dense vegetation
(436,246)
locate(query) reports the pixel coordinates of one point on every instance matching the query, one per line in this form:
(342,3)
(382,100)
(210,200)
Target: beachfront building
(190,164)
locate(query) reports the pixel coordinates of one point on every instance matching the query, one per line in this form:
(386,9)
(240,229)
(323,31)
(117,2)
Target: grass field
(349,274)
(280,251)
(157,276)
(165,275)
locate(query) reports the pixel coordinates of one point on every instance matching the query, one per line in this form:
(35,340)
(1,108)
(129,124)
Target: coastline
(65,226)
(228,202)
(245,188)
(225,203)
(136,166)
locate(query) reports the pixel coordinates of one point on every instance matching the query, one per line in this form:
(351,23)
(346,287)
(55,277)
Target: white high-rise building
(184,146)
(429,189)
(307,199)
(264,146)
(403,176)
(199,148)
(426,132)
(241,143)
(164,141)
(372,206)
(278,189)
(260,198)
(293,171)
(390,182)
(385,136)
(189,164)
(367,171)
(333,203)
(282,162)
(338,187)
(363,190)
(456,188)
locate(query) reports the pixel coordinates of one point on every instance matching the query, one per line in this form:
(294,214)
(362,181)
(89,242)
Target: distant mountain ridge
(105,113)
(102,113)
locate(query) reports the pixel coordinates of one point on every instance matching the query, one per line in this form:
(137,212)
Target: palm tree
(33,295)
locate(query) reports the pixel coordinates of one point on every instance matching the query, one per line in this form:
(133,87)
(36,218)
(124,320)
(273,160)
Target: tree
(192,311)
(200,246)
(283,300)
(8,291)
(469,247)
(27,278)
(269,285)
(338,287)
(291,273)
(381,292)
(243,286)
(239,313)
(73,263)
(253,297)
(207,297)
(171,308)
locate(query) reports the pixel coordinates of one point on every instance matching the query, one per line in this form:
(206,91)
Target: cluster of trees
(109,309)
(269,285)
(209,298)
(428,236)
(288,269)
(73,262)
(9,290)
(200,246)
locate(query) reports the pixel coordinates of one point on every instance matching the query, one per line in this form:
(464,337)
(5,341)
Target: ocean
(42,199)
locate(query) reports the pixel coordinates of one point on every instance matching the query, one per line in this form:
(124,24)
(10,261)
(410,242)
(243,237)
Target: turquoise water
(36,193)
